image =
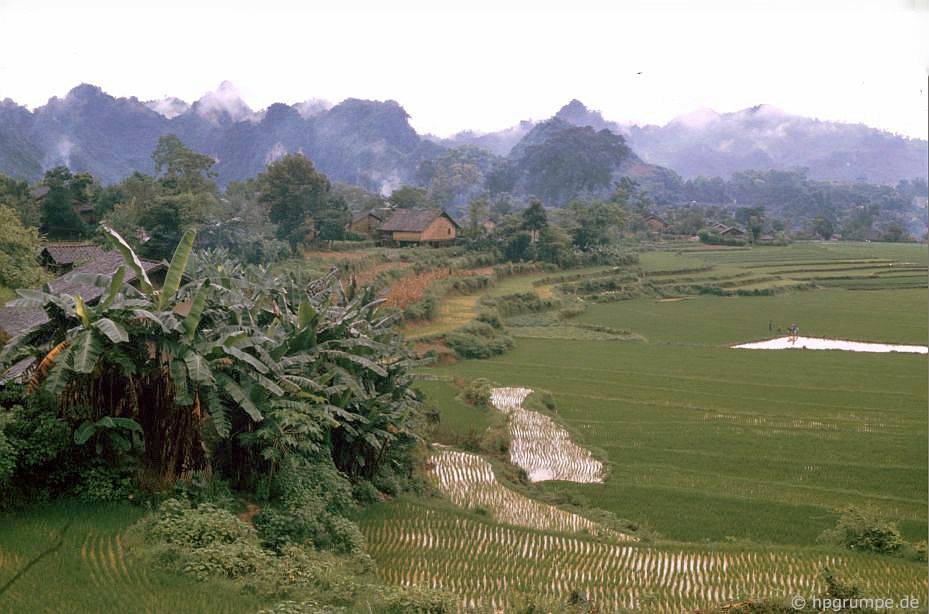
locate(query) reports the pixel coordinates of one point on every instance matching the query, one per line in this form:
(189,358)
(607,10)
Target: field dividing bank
(492,566)
(456,310)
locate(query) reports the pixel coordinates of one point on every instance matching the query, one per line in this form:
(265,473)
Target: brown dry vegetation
(368,275)
(411,288)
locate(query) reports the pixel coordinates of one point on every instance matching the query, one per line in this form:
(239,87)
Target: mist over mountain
(366,143)
(711,144)
(371,144)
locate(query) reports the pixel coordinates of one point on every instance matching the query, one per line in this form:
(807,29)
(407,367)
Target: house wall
(366,226)
(439,230)
(406,236)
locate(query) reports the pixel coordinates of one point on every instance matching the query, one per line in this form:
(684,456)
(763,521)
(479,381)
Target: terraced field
(469,482)
(540,446)
(491,566)
(705,445)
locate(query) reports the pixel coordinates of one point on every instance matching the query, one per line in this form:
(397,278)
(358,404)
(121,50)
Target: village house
(62,256)
(727,231)
(655,224)
(77,282)
(419,226)
(368,223)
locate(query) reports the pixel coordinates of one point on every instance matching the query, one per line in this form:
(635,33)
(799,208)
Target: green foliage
(523,302)
(7,454)
(18,249)
(299,201)
(290,366)
(178,522)
(864,530)
(557,161)
(711,237)
(410,197)
(478,392)
(67,193)
(479,339)
(100,483)
(309,504)
(414,600)
(182,169)
(17,196)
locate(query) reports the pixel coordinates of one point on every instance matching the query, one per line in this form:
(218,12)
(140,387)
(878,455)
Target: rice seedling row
(540,446)
(488,566)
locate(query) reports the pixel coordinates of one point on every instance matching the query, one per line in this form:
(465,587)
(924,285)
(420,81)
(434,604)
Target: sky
(486,65)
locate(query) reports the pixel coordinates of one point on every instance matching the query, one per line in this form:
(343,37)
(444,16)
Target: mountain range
(371,144)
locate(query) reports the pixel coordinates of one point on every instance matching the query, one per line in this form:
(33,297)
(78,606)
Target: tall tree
(16,195)
(477,213)
(535,219)
(296,194)
(18,249)
(66,194)
(183,169)
(409,197)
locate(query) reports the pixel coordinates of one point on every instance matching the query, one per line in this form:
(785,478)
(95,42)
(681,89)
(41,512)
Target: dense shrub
(425,308)
(864,530)
(102,482)
(40,445)
(179,522)
(414,600)
(7,455)
(515,304)
(308,506)
(712,238)
(479,340)
(478,392)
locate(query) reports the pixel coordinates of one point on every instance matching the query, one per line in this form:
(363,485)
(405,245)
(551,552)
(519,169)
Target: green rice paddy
(709,446)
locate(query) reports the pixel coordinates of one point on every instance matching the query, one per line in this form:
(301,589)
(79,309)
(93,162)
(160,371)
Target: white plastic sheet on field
(815,343)
(540,446)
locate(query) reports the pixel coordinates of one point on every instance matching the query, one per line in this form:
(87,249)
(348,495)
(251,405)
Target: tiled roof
(72,253)
(14,320)
(413,220)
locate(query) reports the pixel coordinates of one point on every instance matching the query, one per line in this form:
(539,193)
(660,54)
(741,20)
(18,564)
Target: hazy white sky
(485,65)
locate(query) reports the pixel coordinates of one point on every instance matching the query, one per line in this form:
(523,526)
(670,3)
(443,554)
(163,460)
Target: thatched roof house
(426,226)
(60,257)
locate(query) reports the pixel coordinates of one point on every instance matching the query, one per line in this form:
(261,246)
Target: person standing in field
(794,333)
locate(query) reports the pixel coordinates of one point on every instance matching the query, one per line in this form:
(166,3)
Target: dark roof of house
(14,320)
(378,214)
(652,216)
(39,192)
(72,252)
(105,264)
(19,371)
(414,220)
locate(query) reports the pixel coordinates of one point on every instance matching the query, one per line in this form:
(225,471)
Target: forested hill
(371,144)
(366,143)
(709,144)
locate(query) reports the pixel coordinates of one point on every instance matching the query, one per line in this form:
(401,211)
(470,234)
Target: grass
(460,421)
(6,294)
(91,571)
